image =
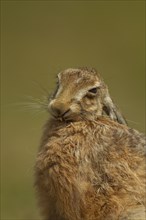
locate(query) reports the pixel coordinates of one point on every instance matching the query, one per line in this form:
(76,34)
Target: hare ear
(110,109)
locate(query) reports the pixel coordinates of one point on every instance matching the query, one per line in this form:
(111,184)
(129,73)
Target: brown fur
(90,166)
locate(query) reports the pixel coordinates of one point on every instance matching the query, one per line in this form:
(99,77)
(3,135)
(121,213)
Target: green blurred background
(41,38)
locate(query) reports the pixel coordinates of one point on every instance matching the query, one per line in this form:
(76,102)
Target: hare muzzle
(59,109)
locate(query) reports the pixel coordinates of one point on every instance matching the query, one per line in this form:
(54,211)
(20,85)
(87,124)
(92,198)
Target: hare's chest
(66,159)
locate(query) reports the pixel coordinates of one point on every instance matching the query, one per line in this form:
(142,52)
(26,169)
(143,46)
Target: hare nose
(59,108)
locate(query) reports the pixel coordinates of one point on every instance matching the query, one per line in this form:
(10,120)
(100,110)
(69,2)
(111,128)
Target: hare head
(82,94)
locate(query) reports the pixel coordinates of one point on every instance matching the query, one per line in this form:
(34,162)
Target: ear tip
(114,113)
(122,121)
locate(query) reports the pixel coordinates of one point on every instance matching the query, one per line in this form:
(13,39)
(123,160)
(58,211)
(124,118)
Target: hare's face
(82,94)
(77,96)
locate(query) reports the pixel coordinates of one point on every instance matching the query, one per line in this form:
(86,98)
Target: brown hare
(90,165)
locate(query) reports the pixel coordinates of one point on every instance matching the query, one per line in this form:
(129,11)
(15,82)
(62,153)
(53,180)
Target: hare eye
(94,90)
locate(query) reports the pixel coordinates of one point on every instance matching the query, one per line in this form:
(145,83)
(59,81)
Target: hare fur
(90,164)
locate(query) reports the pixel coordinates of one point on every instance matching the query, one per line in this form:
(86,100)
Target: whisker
(134,122)
(42,88)
(38,105)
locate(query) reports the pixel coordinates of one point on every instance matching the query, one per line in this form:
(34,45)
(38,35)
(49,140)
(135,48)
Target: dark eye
(94,90)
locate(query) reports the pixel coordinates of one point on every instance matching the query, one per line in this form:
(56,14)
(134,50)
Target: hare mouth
(67,117)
